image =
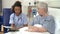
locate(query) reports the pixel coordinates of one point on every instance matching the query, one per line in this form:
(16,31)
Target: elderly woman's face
(17,9)
(40,10)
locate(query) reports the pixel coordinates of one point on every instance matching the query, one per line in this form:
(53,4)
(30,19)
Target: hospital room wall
(8,4)
(25,4)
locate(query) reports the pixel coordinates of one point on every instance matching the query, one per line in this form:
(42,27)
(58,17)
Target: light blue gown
(18,21)
(47,22)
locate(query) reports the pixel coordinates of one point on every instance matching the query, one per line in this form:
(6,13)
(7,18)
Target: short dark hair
(18,4)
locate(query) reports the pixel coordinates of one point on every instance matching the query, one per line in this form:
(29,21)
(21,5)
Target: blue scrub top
(18,21)
(47,22)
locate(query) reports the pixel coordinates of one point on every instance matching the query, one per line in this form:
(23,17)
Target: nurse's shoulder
(23,15)
(12,15)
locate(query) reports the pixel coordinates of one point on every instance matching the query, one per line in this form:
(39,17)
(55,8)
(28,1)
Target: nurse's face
(17,9)
(40,10)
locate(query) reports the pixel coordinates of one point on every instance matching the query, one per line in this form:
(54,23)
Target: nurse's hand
(18,28)
(15,28)
(25,25)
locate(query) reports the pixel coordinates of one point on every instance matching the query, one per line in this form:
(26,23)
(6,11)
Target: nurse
(47,21)
(17,18)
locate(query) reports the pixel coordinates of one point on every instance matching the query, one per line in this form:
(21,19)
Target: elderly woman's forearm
(42,29)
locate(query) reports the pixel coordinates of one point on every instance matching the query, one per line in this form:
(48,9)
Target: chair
(6,16)
(1,21)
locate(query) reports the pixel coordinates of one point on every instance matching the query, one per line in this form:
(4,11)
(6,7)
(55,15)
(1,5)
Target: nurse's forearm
(12,25)
(25,25)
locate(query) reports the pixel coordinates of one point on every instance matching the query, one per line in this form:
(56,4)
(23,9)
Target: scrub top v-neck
(18,21)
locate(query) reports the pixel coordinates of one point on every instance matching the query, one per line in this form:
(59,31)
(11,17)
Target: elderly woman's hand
(32,29)
(36,29)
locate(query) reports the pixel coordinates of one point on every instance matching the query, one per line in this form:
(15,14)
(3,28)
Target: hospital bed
(23,31)
(52,11)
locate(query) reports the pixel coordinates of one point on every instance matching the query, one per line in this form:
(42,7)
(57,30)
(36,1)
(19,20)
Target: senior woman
(47,21)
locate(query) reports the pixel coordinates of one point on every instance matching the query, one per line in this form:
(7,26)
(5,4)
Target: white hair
(43,5)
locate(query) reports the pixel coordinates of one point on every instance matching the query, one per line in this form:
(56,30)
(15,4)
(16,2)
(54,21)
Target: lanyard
(18,19)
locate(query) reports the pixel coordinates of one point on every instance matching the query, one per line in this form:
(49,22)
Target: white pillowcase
(38,25)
